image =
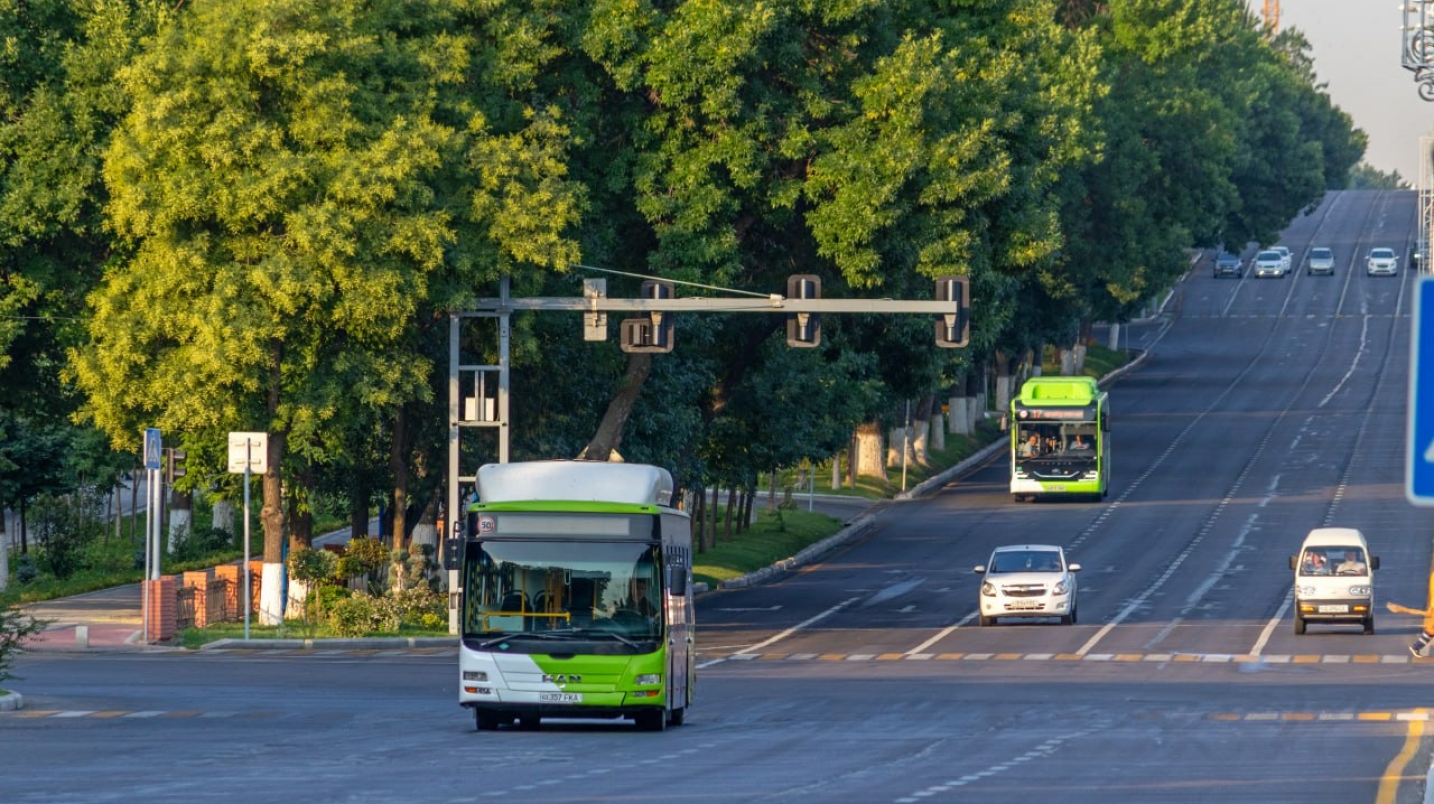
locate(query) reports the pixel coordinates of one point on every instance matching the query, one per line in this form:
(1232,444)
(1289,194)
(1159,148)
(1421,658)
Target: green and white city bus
(576,596)
(1060,439)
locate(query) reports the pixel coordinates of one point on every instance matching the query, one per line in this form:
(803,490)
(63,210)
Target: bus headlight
(650,678)
(475,675)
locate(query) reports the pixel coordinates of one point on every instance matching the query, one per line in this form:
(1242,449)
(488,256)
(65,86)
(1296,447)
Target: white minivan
(1334,579)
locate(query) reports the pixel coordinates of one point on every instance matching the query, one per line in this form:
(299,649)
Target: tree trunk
(271,515)
(608,438)
(745,521)
(699,514)
(712,516)
(133,509)
(727,518)
(772,492)
(921,429)
(271,590)
(398,507)
(222,516)
(868,454)
(181,518)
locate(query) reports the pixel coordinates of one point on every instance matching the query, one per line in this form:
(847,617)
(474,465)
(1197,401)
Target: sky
(1356,45)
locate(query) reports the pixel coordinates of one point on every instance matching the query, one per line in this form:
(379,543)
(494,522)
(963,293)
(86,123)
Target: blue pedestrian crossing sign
(153,448)
(1419,466)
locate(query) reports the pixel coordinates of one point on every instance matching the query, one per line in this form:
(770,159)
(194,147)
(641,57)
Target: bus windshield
(1040,439)
(552,588)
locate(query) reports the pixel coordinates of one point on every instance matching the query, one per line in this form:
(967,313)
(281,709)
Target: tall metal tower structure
(1426,198)
(1417,53)
(1271,13)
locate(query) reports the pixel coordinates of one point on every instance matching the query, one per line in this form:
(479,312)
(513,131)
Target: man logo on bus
(562,678)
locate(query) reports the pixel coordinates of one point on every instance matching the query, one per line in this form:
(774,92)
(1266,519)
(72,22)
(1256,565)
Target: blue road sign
(1419,466)
(153,448)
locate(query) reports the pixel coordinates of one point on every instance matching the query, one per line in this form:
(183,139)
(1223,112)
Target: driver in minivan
(1351,565)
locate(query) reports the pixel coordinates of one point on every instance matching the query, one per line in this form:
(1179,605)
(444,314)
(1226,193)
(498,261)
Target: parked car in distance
(1419,254)
(1320,261)
(1268,263)
(1227,264)
(1027,580)
(1381,262)
(1284,255)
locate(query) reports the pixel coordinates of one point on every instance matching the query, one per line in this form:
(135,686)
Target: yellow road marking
(1389,782)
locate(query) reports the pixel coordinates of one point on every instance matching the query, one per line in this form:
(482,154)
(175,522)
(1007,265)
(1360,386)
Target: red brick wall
(160,594)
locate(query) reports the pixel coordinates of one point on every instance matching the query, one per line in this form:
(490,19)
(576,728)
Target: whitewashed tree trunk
(1114,342)
(222,513)
(869,461)
(836,471)
(180,520)
(271,594)
(1005,385)
(938,431)
(298,598)
(921,441)
(1077,355)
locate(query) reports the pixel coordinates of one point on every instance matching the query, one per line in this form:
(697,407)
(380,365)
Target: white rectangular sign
(251,449)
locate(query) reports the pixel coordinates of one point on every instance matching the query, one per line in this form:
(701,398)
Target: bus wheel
(528,722)
(677,717)
(651,720)
(485,721)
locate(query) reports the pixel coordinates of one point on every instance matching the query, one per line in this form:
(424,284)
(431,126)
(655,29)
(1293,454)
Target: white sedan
(1028,580)
(1381,262)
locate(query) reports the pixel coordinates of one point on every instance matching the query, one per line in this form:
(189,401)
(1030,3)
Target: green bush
(15,628)
(63,527)
(362,614)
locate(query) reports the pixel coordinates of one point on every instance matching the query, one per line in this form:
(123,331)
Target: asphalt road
(1264,408)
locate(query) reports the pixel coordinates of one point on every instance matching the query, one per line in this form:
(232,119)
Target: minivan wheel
(1369,625)
(1299,624)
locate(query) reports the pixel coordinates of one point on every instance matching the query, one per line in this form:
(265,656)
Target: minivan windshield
(1334,560)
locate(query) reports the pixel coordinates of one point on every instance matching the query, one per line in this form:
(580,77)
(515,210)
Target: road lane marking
(1394,771)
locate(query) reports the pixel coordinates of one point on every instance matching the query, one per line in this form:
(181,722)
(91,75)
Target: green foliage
(64,527)
(364,557)
(15,628)
(362,614)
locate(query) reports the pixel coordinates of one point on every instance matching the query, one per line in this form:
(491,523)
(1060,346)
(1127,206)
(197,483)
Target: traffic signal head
(804,330)
(653,333)
(953,329)
(174,464)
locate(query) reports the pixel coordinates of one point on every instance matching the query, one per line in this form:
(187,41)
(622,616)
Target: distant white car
(1268,263)
(1028,580)
(1320,261)
(1381,262)
(1285,256)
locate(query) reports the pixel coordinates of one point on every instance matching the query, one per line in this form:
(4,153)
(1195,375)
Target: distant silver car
(1381,262)
(1284,255)
(1268,263)
(1227,264)
(1320,261)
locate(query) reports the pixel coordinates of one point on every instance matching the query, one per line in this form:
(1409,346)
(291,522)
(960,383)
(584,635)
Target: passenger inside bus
(1079,442)
(1031,447)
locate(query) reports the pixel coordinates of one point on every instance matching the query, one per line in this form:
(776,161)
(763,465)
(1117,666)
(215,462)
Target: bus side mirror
(1004,422)
(677,581)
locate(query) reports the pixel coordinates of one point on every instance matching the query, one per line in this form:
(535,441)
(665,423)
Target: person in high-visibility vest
(1426,634)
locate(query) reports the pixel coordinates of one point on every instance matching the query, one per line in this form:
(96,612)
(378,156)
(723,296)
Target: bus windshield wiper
(562,637)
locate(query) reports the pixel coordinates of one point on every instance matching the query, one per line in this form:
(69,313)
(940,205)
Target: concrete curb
(337,643)
(11,701)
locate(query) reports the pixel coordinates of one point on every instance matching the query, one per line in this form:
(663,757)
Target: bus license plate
(1056,487)
(560,697)
(1333,609)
